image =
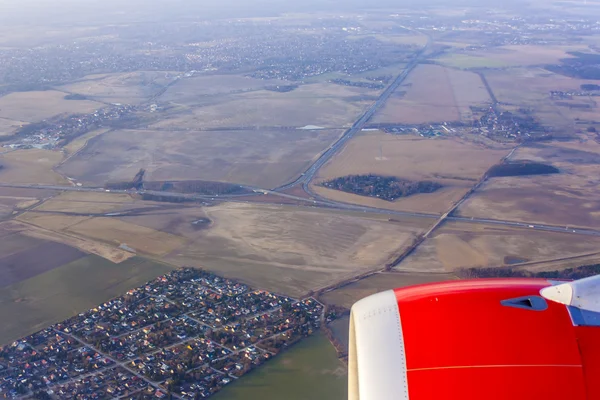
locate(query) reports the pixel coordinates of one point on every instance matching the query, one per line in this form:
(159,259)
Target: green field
(308,371)
(35,303)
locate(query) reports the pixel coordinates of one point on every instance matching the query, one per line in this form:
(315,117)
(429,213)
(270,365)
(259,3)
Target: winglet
(583,294)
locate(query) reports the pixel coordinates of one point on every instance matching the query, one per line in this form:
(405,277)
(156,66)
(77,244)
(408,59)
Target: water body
(308,371)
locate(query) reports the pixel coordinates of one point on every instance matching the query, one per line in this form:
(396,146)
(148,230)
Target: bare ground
(263,158)
(464,245)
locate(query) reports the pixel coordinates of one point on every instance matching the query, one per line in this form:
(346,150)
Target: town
(186,334)
(59,131)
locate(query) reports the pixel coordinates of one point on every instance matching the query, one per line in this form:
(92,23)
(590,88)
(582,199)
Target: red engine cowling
(471,340)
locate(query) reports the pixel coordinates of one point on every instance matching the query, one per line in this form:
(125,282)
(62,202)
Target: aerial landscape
(193,196)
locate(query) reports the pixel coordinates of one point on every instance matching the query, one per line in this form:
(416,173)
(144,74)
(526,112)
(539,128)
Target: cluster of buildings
(111,383)
(569,94)
(425,130)
(499,29)
(290,52)
(505,125)
(52,133)
(184,335)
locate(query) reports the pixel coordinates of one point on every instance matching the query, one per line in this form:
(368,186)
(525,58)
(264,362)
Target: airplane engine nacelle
(473,340)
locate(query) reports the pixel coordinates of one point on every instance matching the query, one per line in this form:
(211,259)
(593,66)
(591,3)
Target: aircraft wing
(474,340)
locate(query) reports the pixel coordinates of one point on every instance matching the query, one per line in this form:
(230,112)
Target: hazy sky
(48,11)
(81,11)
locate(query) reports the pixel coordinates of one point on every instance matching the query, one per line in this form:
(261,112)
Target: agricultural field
(9,126)
(12,200)
(340,330)
(116,232)
(81,141)
(409,39)
(508,56)
(569,198)
(37,256)
(106,231)
(309,370)
(53,219)
(280,248)
(35,303)
(127,88)
(530,88)
(196,90)
(293,250)
(25,194)
(22,257)
(456,164)
(264,158)
(347,295)
(432,93)
(86,202)
(31,166)
(78,219)
(322,104)
(459,245)
(37,106)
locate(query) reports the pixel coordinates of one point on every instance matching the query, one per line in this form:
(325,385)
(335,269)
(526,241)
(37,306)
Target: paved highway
(332,205)
(309,174)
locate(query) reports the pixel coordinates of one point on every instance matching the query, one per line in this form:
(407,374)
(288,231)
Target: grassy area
(310,370)
(33,304)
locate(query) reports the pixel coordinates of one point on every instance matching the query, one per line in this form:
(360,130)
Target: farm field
(340,329)
(111,232)
(37,106)
(12,199)
(569,198)
(530,88)
(116,232)
(128,88)
(456,164)
(410,39)
(264,158)
(86,202)
(433,93)
(35,303)
(509,56)
(9,204)
(31,166)
(54,227)
(348,295)
(39,257)
(280,248)
(9,126)
(194,90)
(81,141)
(322,104)
(459,245)
(22,257)
(309,370)
(293,250)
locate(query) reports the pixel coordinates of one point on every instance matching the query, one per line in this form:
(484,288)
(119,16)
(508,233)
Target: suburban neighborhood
(186,334)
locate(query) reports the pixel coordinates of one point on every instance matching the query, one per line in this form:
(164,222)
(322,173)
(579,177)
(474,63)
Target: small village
(55,132)
(184,335)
